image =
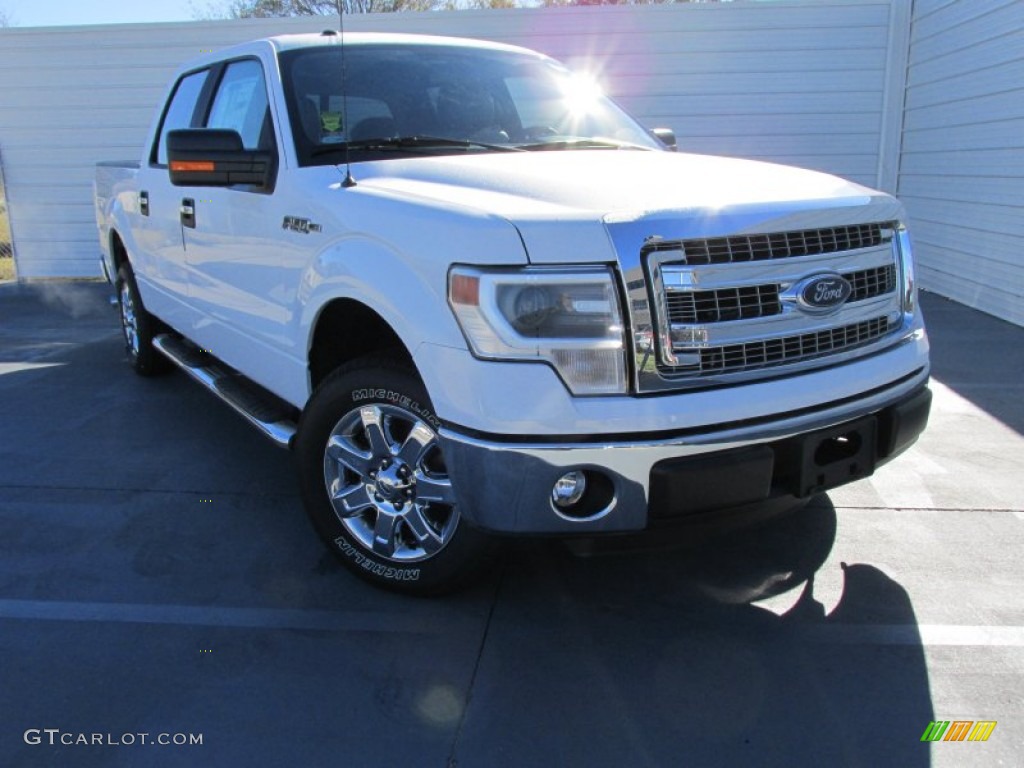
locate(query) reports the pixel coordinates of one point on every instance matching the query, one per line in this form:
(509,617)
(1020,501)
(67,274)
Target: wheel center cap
(390,483)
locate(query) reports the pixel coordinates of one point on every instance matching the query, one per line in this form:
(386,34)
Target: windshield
(416,99)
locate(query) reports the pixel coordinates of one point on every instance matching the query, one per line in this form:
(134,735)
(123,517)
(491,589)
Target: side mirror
(667,137)
(214,157)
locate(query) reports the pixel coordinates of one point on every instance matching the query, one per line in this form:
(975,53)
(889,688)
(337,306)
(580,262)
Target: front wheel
(375,483)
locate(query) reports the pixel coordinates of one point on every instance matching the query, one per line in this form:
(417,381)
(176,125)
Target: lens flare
(582,94)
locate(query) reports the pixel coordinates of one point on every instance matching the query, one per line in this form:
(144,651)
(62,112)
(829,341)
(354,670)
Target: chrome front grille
(780,245)
(736,305)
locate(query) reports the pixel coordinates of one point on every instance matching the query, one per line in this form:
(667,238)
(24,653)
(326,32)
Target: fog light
(569,489)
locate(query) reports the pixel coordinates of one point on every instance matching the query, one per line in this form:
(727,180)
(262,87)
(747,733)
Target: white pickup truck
(475,297)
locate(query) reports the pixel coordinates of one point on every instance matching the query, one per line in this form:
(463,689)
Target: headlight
(568,318)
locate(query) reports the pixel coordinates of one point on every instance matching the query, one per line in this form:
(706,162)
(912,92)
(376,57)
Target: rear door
(160,262)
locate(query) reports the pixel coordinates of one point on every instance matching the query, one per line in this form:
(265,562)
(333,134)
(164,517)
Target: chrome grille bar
(735,358)
(743,303)
(869,283)
(723,305)
(780,245)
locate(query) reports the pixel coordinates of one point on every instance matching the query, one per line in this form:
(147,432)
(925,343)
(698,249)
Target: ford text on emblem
(823,293)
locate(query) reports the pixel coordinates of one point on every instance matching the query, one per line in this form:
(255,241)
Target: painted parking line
(367,621)
(217,616)
(20,367)
(911,634)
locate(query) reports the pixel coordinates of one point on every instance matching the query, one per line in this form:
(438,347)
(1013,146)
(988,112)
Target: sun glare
(582,92)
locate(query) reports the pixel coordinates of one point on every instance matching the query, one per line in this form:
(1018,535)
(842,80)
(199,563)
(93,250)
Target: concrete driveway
(159,583)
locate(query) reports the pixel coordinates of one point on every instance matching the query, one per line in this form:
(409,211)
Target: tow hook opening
(837,448)
(838,456)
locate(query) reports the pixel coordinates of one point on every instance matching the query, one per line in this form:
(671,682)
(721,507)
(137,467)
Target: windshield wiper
(398,143)
(579,142)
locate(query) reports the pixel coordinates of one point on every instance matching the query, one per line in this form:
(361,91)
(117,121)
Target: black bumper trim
(798,466)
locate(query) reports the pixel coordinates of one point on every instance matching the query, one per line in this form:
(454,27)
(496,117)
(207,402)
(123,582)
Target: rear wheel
(138,326)
(375,483)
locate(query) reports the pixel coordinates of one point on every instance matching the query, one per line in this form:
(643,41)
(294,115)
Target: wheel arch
(346,329)
(118,252)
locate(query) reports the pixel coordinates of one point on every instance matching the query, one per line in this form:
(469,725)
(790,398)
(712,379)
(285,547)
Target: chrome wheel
(129,322)
(388,485)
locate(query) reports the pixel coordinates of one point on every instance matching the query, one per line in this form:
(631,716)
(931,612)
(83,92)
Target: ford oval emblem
(822,293)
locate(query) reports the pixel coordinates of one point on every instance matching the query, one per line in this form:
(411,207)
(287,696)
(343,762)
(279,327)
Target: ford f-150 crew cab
(475,297)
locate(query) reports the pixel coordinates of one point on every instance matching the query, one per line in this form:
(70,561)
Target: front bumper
(505,486)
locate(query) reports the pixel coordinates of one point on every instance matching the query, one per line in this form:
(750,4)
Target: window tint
(180,112)
(241,102)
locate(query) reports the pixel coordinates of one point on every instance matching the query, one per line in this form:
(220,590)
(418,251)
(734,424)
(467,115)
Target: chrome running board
(269,417)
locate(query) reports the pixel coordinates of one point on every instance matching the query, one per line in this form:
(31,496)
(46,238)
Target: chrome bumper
(506,486)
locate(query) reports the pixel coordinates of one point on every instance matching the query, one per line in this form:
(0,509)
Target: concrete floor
(158,576)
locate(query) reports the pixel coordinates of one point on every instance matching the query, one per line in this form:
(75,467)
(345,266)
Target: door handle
(144,203)
(188,212)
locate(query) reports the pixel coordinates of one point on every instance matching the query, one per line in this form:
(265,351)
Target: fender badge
(295,224)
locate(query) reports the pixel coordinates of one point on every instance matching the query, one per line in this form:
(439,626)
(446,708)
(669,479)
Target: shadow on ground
(978,356)
(663,658)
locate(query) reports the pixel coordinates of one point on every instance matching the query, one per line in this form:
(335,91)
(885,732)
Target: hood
(561,201)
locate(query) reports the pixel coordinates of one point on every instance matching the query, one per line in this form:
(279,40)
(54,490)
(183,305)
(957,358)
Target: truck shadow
(663,657)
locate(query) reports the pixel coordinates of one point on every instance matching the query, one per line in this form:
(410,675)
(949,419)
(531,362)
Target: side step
(262,410)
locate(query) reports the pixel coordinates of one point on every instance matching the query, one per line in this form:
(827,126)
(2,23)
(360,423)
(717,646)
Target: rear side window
(181,111)
(241,102)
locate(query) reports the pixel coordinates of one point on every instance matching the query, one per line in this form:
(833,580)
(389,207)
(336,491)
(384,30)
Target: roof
(290,42)
(279,43)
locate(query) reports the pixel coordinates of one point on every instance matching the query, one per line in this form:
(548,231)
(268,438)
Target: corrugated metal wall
(804,82)
(962,168)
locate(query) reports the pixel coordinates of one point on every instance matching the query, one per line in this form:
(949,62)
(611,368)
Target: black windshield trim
(410,143)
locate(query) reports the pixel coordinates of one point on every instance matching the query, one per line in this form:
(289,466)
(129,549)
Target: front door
(242,275)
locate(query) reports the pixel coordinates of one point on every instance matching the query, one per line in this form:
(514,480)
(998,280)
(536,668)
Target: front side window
(416,99)
(181,112)
(241,103)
